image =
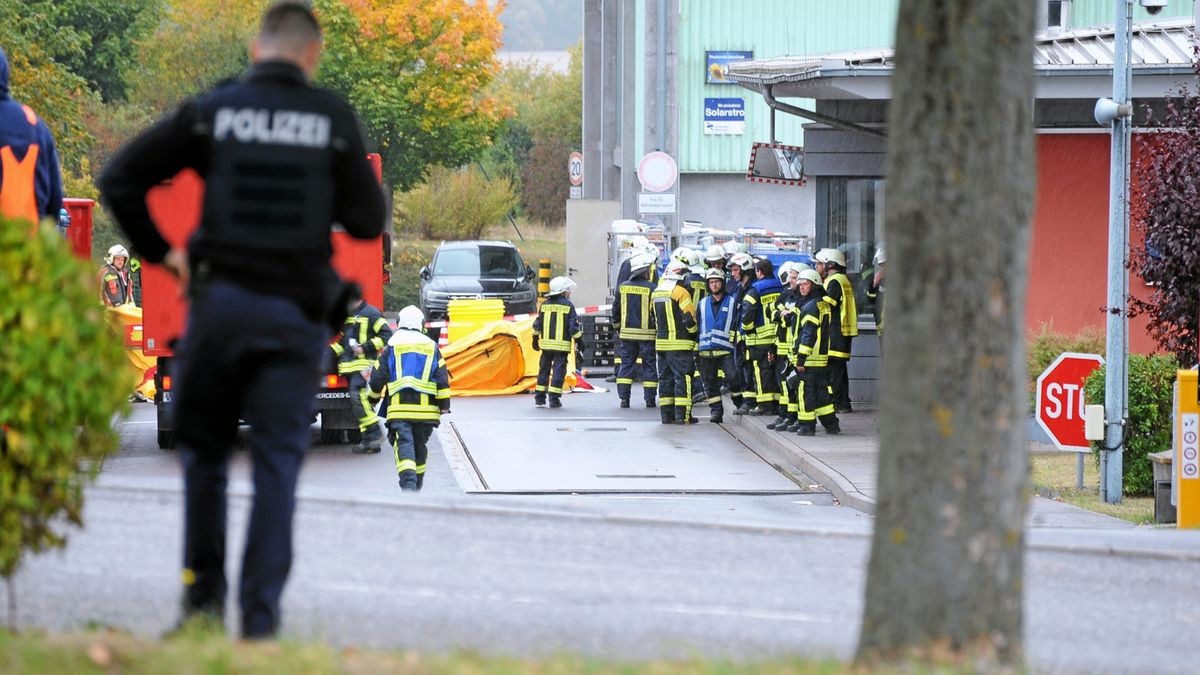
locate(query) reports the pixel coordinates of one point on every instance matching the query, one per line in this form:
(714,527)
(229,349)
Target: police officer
(675,342)
(812,358)
(839,293)
(634,318)
(364,335)
(555,327)
(413,376)
(718,328)
(282,161)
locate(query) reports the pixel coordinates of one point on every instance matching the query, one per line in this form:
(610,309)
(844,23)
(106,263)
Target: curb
(755,434)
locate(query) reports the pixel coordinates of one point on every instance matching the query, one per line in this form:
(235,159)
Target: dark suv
(477,269)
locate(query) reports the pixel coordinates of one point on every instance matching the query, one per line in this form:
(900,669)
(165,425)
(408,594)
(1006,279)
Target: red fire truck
(175,207)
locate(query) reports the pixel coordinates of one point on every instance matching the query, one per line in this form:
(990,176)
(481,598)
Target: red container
(80,231)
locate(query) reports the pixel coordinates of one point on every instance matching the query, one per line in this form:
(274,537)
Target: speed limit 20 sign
(575,168)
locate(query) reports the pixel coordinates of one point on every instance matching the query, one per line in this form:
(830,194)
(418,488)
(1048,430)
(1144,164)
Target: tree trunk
(947,554)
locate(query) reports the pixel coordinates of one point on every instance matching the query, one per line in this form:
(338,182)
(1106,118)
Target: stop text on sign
(1064,400)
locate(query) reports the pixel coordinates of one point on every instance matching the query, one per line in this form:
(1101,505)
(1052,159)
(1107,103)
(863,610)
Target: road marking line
(461,465)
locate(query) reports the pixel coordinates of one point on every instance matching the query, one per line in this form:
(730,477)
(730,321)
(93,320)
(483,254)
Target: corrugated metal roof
(1167,43)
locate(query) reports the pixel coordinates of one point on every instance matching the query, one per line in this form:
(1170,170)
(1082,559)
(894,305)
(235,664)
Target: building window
(1057,15)
(855,227)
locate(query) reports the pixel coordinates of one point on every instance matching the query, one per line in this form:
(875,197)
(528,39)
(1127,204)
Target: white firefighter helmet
(641,261)
(672,275)
(695,260)
(411,318)
(730,247)
(880,257)
(714,273)
(636,242)
(677,267)
(116,251)
(680,253)
(810,275)
(714,254)
(742,260)
(831,255)
(560,285)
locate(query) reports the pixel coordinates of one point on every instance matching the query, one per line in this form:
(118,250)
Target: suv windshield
(483,262)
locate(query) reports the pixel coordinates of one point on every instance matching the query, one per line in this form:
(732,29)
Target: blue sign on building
(724,116)
(715,62)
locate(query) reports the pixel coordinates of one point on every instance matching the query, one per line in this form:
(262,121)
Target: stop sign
(1060,400)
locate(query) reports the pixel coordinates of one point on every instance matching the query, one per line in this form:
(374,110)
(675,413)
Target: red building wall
(1068,262)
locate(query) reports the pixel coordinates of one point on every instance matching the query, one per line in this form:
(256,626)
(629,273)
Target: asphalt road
(620,574)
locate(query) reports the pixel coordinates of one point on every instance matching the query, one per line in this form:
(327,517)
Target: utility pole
(1116,381)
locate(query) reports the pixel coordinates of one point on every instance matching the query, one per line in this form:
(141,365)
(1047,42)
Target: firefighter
(115,285)
(812,358)
(282,161)
(413,376)
(875,291)
(740,277)
(714,258)
(634,318)
(786,327)
(364,335)
(718,330)
(839,293)
(554,328)
(675,342)
(758,325)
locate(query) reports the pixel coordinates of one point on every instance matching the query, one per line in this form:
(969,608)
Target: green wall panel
(1085,13)
(769,28)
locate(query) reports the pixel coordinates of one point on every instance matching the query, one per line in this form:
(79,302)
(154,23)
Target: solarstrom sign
(724,116)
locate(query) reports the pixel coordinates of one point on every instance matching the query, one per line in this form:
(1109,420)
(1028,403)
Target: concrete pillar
(593,95)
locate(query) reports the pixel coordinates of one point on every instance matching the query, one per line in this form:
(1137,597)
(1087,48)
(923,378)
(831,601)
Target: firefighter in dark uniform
(413,376)
(634,319)
(812,358)
(675,342)
(717,319)
(758,325)
(116,289)
(282,161)
(364,335)
(741,275)
(786,328)
(555,327)
(839,293)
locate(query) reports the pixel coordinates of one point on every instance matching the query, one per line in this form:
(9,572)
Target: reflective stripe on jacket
(556,324)
(840,294)
(674,318)
(758,312)
(413,375)
(632,312)
(812,347)
(367,328)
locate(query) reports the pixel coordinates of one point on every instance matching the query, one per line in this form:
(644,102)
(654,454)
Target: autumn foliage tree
(417,72)
(1168,214)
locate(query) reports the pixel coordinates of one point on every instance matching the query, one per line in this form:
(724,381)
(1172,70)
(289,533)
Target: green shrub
(63,376)
(1047,345)
(454,204)
(1148,429)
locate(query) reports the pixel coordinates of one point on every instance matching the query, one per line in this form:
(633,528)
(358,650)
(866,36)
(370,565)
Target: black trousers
(254,357)
(552,371)
(818,399)
(766,385)
(410,441)
(711,368)
(839,380)
(628,352)
(675,370)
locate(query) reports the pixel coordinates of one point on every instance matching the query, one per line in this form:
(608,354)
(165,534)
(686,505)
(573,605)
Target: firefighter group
(776,340)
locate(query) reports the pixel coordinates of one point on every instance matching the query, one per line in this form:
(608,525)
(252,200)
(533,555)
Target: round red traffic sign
(575,168)
(1060,401)
(657,172)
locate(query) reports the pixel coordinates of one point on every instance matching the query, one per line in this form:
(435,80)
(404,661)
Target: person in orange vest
(30,177)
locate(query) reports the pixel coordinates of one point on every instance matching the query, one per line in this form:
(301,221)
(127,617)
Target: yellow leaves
(943,417)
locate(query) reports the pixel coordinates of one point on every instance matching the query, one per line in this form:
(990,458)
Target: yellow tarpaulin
(127,319)
(497,359)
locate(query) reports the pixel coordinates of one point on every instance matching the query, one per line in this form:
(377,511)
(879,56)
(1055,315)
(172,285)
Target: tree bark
(945,574)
